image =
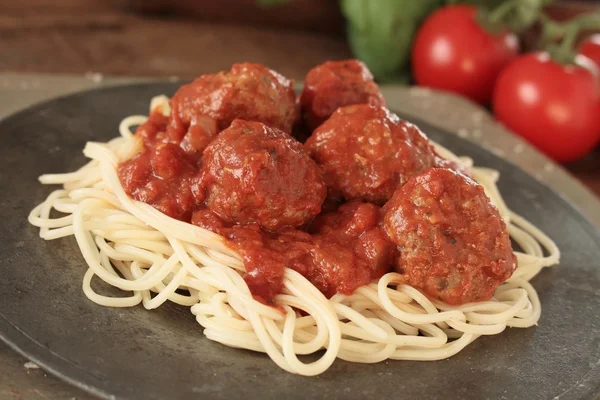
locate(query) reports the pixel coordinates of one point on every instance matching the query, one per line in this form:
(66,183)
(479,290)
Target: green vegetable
(559,38)
(380,33)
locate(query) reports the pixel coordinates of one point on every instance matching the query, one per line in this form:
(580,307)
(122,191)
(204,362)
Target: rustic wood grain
(130,45)
(308,15)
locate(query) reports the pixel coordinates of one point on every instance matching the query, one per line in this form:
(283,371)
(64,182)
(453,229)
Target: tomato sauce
(339,252)
(163,174)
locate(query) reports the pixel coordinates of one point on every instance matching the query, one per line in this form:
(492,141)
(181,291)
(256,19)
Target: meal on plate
(367,241)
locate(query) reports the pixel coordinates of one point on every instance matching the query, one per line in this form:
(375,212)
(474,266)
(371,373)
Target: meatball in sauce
(203,108)
(366,152)
(335,84)
(453,244)
(253,173)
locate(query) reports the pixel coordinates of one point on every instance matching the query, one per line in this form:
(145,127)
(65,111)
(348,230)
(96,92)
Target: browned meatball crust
(454,246)
(334,84)
(253,173)
(253,92)
(366,152)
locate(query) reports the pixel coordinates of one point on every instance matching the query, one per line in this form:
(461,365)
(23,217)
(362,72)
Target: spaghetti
(133,247)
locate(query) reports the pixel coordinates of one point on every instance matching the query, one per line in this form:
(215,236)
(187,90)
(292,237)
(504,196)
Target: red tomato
(590,48)
(453,52)
(555,107)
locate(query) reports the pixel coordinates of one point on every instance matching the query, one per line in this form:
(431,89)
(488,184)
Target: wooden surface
(153,38)
(110,40)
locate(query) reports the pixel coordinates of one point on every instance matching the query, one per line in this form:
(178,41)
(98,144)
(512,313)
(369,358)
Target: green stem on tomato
(564,52)
(569,31)
(494,21)
(497,14)
(514,15)
(587,21)
(551,31)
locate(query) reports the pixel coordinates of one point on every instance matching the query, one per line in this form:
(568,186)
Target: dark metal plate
(134,353)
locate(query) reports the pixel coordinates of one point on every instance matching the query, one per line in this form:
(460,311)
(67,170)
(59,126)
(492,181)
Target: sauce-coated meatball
(253,173)
(454,246)
(335,84)
(209,104)
(366,152)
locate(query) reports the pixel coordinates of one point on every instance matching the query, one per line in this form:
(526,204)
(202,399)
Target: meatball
(453,245)
(209,104)
(335,84)
(366,152)
(253,173)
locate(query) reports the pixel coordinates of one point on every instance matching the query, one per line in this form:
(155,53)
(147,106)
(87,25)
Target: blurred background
(186,38)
